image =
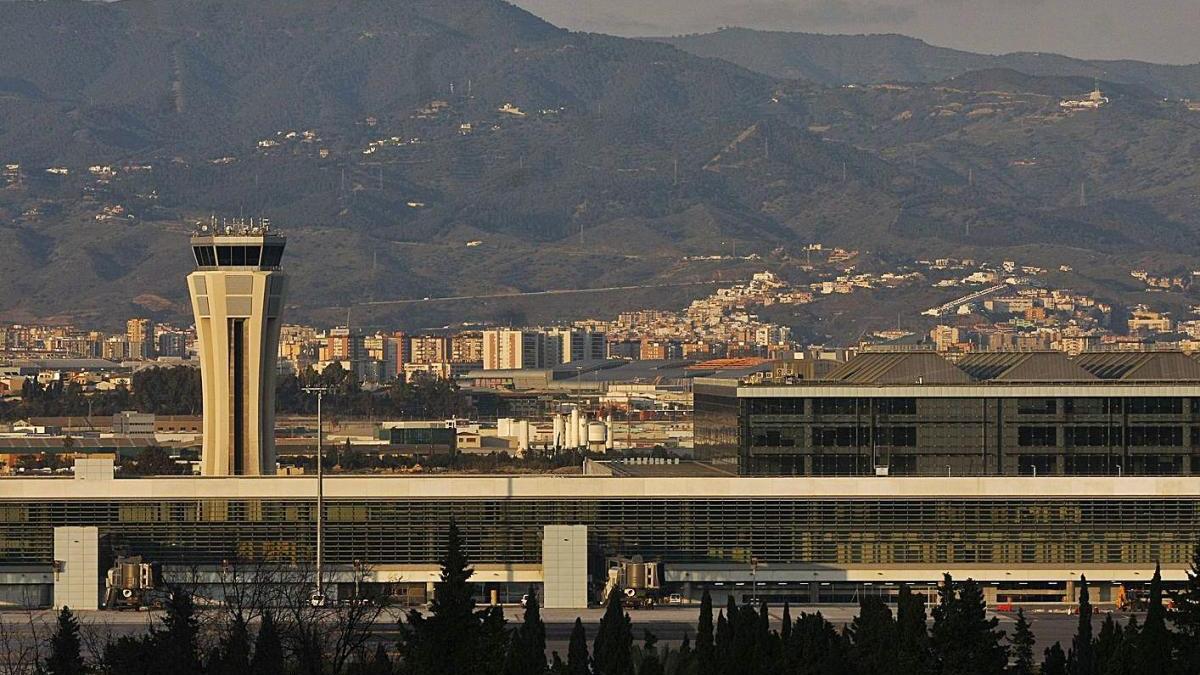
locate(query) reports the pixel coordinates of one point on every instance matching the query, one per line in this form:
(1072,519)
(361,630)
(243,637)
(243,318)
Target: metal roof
(1140,366)
(1023,367)
(898,368)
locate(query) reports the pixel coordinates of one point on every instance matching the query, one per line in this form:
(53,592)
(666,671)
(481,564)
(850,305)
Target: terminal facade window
(940,435)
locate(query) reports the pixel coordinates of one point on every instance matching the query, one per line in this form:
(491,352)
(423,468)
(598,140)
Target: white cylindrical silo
(581,432)
(522,437)
(573,429)
(611,435)
(560,428)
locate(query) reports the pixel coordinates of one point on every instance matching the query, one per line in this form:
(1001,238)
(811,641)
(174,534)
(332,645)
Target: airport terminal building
(988,414)
(804,539)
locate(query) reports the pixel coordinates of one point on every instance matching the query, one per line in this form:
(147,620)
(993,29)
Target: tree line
(455,637)
(176,390)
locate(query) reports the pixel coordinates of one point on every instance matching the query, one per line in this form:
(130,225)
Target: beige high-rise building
(237,297)
(140,334)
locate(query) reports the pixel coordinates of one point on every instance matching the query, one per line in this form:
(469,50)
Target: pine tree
(1022,646)
(577,652)
(268,649)
(1081,660)
(912,635)
(176,641)
(232,656)
(964,640)
(66,656)
(447,640)
(704,631)
(611,651)
(1154,641)
(381,663)
(527,654)
(815,647)
(1054,661)
(873,636)
(1186,616)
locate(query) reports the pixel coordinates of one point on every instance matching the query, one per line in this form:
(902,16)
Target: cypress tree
(722,644)
(1081,660)
(611,651)
(577,652)
(1108,646)
(1054,662)
(494,642)
(873,636)
(743,658)
(785,627)
(1154,641)
(1124,662)
(912,635)
(268,650)
(684,658)
(651,664)
(66,656)
(1186,616)
(1022,646)
(704,631)
(527,655)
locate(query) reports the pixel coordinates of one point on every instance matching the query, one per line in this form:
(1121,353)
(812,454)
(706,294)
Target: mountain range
(864,59)
(422,148)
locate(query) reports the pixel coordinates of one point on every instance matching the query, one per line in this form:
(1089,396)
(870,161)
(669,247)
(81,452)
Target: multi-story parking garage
(802,538)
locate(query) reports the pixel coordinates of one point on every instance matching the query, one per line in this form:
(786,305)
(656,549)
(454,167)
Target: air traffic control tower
(237,296)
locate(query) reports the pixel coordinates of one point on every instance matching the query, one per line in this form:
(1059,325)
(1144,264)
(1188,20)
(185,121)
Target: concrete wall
(77,557)
(564,566)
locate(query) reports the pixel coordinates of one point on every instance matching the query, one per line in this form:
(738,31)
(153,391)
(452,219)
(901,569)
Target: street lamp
(318,597)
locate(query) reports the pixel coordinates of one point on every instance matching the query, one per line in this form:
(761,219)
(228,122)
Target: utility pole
(317,599)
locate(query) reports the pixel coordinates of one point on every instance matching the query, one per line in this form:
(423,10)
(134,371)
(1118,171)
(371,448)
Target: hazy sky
(1166,31)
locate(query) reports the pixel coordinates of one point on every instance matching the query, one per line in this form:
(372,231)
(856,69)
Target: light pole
(318,597)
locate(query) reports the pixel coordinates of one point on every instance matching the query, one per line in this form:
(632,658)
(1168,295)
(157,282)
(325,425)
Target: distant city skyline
(1161,31)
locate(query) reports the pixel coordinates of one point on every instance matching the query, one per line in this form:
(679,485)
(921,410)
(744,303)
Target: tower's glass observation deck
(237,244)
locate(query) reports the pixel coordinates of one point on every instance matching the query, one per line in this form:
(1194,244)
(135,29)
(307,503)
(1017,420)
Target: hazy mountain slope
(385,135)
(842,59)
